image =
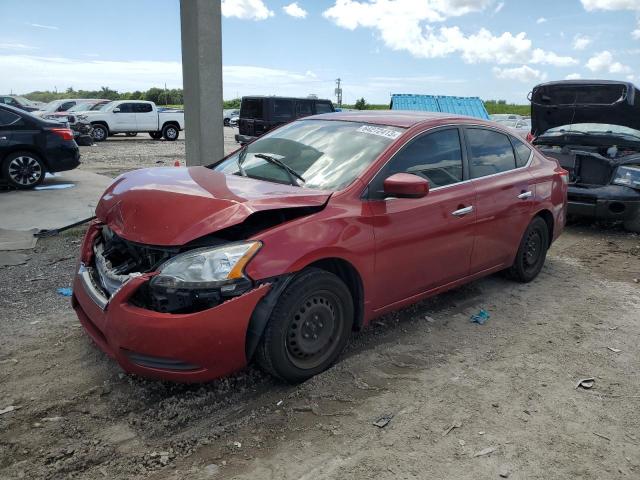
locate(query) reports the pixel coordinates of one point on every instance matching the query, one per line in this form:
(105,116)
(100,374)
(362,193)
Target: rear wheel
(23,170)
(308,328)
(170,132)
(633,225)
(532,252)
(99,133)
(155,135)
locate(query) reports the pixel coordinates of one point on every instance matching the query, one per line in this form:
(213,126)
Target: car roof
(398,118)
(285,98)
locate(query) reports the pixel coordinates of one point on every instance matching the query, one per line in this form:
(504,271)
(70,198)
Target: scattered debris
(481,317)
(237,444)
(52,419)
(504,472)
(303,408)
(480,433)
(429,319)
(636,280)
(485,451)
(461,443)
(601,436)
(454,425)
(211,469)
(279,403)
(65,291)
(8,409)
(586,383)
(383,421)
(614,350)
(57,186)
(9,360)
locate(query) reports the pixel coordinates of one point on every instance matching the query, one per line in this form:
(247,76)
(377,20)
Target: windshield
(102,106)
(594,129)
(81,107)
(329,155)
(26,101)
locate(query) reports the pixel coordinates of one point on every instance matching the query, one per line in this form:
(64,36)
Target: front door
(146,117)
(505,195)
(125,119)
(423,243)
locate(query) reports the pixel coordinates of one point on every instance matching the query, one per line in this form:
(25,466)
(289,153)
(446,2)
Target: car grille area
(593,170)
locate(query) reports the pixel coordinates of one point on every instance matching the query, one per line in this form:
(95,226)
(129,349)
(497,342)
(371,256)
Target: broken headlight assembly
(627,175)
(200,278)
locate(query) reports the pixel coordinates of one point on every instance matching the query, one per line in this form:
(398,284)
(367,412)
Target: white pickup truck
(134,116)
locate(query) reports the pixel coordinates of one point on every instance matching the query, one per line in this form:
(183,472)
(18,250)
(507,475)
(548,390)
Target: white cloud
(635,34)
(294,10)
(16,46)
(604,62)
(540,56)
(406,25)
(47,27)
(591,5)
(580,42)
(573,76)
(523,74)
(246,9)
(541,20)
(499,7)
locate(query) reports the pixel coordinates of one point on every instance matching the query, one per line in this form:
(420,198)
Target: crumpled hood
(554,104)
(173,206)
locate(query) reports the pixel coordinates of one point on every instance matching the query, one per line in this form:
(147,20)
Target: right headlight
(627,175)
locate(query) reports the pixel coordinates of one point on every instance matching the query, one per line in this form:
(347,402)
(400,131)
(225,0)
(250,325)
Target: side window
(522,152)
(251,108)
(282,109)
(66,106)
(323,107)
(126,107)
(11,101)
(8,119)
(436,157)
(490,152)
(143,107)
(303,108)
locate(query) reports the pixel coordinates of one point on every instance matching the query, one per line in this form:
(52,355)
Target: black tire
(100,132)
(155,135)
(226,122)
(633,224)
(170,132)
(131,134)
(532,252)
(23,170)
(308,328)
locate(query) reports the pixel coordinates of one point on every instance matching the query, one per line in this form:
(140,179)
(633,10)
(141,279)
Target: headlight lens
(206,267)
(628,175)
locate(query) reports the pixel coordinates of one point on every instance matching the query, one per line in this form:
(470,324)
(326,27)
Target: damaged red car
(280,250)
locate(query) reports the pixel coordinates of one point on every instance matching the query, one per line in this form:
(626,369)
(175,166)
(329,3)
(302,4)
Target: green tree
(361,104)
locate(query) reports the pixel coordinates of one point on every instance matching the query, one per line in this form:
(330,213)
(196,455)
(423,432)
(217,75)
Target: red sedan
(278,251)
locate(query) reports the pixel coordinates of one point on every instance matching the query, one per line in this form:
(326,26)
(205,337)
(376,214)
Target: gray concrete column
(202,80)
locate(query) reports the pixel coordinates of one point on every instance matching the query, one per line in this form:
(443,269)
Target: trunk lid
(568,102)
(173,206)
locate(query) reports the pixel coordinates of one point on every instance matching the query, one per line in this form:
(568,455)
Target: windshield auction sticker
(381,132)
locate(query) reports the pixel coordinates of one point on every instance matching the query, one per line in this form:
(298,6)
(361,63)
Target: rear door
(124,120)
(423,243)
(251,117)
(282,111)
(146,118)
(505,195)
(8,121)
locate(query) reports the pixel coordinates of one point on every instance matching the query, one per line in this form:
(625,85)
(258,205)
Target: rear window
(143,107)
(522,152)
(9,118)
(251,108)
(323,107)
(282,109)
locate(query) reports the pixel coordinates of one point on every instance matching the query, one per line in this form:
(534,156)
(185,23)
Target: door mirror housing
(116,110)
(405,185)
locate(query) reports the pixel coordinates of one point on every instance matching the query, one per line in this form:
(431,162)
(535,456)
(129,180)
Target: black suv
(30,147)
(592,128)
(260,114)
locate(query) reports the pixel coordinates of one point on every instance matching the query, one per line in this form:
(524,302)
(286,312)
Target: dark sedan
(30,147)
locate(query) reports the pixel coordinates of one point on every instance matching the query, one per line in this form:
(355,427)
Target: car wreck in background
(592,127)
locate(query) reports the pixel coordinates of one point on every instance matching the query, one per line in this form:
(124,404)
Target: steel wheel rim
(532,250)
(25,170)
(314,330)
(98,133)
(171,132)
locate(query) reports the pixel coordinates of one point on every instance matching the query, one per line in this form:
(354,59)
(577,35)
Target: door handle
(525,195)
(461,212)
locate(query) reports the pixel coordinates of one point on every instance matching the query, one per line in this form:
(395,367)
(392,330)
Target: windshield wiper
(292,173)
(241,156)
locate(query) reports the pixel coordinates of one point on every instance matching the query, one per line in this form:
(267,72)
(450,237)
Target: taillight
(530,137)
(63,133)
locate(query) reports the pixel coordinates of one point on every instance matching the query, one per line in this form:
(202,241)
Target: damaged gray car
(592,128)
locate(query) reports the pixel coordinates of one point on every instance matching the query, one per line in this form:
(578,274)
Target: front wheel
(532,252)
(170,132)
(308,328)
(99,133)
(23,170)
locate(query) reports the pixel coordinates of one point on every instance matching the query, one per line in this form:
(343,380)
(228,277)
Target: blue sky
(489,48)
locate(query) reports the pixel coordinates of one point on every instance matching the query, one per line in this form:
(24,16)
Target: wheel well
(27,148)
(171,122)
(547,216)
(350,276)
(104,124)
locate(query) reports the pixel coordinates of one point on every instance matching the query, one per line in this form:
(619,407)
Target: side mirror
(116,110)
(406,185)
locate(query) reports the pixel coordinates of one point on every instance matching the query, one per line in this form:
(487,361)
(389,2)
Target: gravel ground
(508,387)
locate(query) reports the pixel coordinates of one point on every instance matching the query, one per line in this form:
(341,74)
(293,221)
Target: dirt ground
(465,401)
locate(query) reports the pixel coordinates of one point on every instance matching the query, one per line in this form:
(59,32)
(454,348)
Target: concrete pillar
(202,80)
